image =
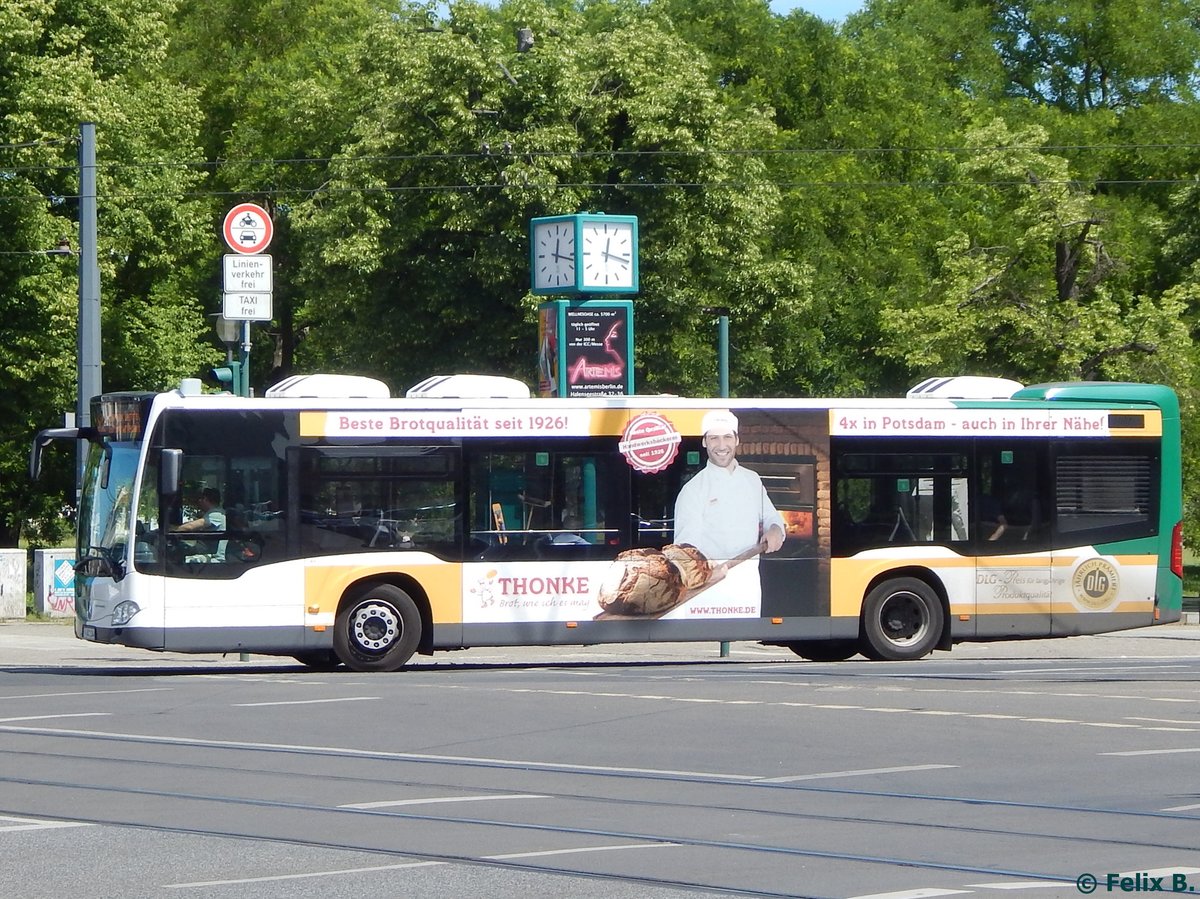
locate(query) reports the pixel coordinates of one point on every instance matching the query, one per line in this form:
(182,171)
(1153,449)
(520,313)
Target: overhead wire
(515,153)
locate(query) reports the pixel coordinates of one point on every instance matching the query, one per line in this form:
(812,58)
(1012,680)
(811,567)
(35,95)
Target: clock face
(554,255)
(607,254)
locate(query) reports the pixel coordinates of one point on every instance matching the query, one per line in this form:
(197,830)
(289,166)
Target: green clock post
(585,339)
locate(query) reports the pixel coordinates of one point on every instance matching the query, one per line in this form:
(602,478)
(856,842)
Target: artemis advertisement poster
(597,350)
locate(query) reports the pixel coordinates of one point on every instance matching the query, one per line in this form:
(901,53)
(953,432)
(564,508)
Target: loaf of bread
(641,582)
(693,567)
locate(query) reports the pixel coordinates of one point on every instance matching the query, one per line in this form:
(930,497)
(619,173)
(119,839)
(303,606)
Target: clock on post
(585,253)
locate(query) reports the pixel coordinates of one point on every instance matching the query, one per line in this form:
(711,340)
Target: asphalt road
(633,771)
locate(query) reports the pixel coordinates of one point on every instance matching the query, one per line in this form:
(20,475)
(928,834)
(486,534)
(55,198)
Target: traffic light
(228,376)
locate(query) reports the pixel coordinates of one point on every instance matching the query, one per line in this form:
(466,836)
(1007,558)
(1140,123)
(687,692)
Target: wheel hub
(902,618)
(375,626)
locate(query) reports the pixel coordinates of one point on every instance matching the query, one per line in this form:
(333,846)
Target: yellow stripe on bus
(325,584)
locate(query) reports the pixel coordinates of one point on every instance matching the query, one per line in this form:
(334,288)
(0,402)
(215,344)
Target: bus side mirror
(170,471)
(49,435)
(43,440)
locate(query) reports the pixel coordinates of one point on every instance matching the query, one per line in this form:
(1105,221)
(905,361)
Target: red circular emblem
(650,442)
(247,229)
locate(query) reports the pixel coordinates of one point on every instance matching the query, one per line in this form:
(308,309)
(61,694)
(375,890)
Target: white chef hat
(720,420)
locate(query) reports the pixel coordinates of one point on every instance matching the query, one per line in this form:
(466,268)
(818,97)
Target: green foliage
(463,139)
(60,64)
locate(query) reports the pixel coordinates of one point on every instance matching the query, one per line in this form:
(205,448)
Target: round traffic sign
(248,228)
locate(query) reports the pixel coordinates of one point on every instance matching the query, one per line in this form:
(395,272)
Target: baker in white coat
(724,510)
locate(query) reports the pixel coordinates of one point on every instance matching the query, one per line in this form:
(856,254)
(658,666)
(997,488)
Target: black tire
(319,659)
(902,619)
(824,650)
(378,630)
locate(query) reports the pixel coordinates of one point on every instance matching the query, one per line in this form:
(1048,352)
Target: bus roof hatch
(330,387)
(475,387)
(965,387)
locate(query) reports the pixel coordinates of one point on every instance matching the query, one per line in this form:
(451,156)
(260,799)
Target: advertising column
(585,343)
(585,348)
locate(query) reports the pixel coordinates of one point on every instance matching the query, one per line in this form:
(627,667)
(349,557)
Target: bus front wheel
(902,620)
(377,631)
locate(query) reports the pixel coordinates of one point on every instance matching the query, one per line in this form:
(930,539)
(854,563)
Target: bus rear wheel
(902,620)
(824,650)
(377,631)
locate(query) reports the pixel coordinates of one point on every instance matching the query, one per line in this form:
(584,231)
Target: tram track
(530,766)
(585,797)
(1119,836)
(594,833)
(668,795)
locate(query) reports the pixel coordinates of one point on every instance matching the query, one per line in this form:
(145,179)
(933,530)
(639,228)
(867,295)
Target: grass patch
(1191,580)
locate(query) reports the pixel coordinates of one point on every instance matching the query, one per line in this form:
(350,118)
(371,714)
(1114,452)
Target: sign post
(247,278)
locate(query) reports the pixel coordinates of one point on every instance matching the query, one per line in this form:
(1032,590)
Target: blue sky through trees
(834,10)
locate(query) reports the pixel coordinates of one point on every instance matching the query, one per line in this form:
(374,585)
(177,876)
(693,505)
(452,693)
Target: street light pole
(88,340)
(722,314)
(723,352)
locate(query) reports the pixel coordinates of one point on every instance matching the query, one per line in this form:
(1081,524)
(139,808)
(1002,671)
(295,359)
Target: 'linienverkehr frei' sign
(247,282)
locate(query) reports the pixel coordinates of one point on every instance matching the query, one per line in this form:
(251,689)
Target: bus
(360,528)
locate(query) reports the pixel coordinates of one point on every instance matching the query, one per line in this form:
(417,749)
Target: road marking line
(545,852)
(1068,670)
(36,824)
(252,705)
(858,773)
(1018,885)
(86,693)
(1152,751)
(1182,808)
(923,893)
(391,803)
(277,877)
(49,717)
(371,870)
(1161,720)
(1161,872)
(351,752)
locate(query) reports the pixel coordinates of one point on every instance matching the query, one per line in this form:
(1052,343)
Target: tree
(63,63)
(1029,286)
(270,78)
(416,247)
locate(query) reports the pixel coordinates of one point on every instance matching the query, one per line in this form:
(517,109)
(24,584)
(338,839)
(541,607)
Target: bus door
(1013,573)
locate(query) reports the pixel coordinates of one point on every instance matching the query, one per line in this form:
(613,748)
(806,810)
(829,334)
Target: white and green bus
(361,528)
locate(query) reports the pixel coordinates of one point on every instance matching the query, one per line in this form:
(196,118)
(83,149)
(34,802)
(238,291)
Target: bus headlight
(123,612)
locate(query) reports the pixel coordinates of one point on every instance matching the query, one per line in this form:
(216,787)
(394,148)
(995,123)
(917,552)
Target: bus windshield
(104,511)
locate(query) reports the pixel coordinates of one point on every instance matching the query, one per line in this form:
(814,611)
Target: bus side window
(1009,484)
(531,501)
(899,498)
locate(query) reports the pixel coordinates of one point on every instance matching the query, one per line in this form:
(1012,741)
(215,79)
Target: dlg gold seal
(1095,584)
